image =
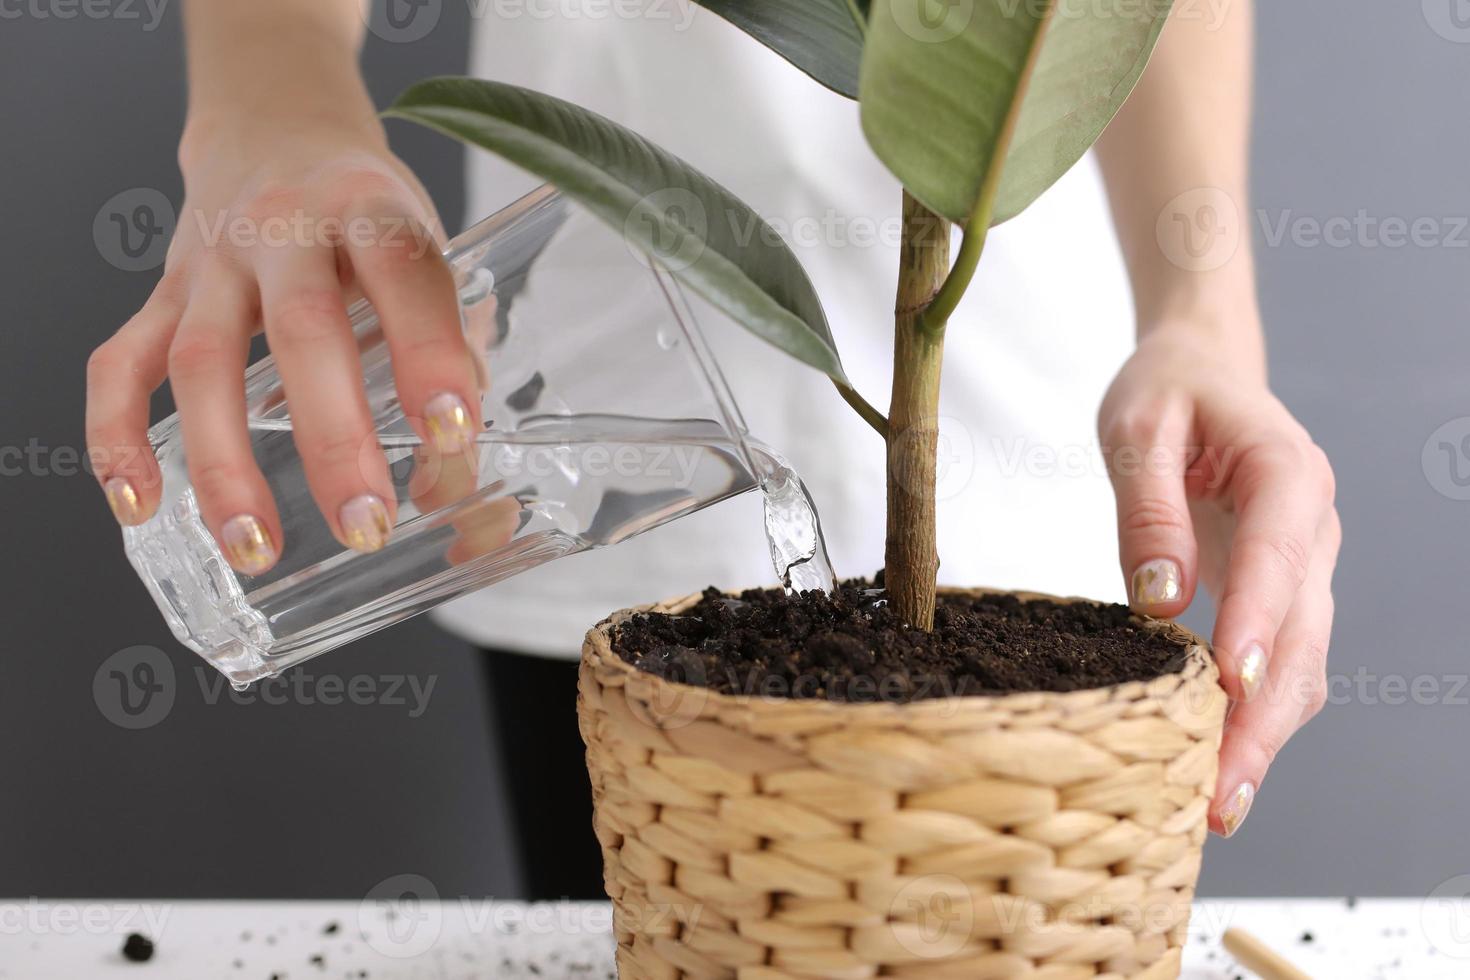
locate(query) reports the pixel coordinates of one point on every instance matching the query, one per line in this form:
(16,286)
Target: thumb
(1156,543)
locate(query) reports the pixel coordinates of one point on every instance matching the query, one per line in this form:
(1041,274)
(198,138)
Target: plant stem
(861,405)
(911,559)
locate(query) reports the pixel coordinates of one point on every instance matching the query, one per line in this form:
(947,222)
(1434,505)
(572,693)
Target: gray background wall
(1360,111)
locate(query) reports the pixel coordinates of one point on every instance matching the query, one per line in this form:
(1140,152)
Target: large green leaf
(704,235)
(940,77)
(824,38)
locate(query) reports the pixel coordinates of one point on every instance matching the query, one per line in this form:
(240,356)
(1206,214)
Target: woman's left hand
(1218,484)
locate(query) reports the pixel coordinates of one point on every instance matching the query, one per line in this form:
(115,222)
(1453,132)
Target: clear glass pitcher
(605,416)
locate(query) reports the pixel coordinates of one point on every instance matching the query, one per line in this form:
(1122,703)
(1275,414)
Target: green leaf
(940,77)
(704,235)
(824,38)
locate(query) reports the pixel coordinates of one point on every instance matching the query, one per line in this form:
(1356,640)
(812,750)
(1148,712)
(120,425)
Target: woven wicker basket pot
(1041,836)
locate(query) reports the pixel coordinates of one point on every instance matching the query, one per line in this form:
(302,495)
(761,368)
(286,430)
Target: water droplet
(668,337)
(240,685)
(478,288)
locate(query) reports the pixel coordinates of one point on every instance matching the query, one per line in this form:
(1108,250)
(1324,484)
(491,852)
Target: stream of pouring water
(793,530)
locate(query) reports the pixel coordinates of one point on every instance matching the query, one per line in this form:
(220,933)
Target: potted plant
(754,827)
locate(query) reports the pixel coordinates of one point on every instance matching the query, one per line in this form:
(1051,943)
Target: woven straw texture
(1039,836)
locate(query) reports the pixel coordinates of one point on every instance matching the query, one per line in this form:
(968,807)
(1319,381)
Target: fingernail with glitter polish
(364,522)
(1156,582)
(248,544)
(1232,813)
(1252,671)
(123,498)
(449,423)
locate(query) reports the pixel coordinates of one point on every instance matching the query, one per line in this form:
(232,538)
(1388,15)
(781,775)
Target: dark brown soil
(851,647)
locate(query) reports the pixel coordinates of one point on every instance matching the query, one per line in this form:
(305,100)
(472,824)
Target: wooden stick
(1259,958)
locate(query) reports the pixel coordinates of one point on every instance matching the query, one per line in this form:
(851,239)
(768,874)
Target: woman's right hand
(285,218)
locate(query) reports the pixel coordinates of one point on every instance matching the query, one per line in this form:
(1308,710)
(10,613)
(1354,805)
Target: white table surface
(41,939)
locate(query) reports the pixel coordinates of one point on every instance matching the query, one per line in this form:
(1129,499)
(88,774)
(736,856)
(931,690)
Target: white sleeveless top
(1047,322)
